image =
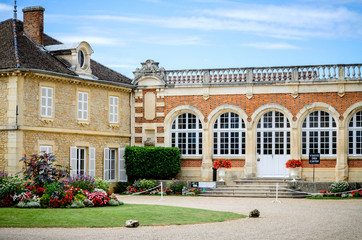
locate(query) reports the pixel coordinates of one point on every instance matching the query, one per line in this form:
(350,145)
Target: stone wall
(3,101)
(65,105)
(62,142)
(3,150)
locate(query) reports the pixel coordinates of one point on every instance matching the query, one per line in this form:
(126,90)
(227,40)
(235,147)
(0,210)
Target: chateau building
(55,98)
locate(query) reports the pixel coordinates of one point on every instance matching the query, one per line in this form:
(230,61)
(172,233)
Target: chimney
(34,23)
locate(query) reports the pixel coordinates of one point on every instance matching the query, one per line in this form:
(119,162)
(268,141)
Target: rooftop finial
(15,15)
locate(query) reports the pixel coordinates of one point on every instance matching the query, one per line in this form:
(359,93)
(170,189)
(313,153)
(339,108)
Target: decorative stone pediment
(150,73)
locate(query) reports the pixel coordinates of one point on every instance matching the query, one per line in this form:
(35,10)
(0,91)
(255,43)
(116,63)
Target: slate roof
(31,56)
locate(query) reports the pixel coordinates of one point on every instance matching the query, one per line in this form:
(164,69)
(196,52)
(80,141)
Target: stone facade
(25,130)
(251,93)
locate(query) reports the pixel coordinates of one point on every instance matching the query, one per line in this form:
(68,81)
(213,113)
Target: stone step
(266,195)
(247,190)
(257,186)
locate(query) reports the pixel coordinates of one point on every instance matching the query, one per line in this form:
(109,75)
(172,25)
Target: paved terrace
(290,219)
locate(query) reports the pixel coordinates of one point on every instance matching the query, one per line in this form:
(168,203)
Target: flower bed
(52,187)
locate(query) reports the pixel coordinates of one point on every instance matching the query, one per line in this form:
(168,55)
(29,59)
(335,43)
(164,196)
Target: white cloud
(92,40)
(121,66)
(271,46)
(6,7)
(174,40)
(286,22)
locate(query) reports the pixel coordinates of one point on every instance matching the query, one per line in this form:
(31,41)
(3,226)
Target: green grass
(109,216)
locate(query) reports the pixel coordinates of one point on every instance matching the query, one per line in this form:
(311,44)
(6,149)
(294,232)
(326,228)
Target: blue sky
(206,33)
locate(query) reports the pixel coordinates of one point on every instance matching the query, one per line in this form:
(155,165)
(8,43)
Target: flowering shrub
(222,163)
(8,188)
(338,187)
(99,199)
(39,169)
(103,184)
(195,190)
(176,186)
(293,163)
(84,182)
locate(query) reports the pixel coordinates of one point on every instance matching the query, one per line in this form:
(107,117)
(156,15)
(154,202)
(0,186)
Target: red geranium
(294,163)
(222,163)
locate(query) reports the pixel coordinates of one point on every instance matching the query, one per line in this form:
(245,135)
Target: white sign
(207,184)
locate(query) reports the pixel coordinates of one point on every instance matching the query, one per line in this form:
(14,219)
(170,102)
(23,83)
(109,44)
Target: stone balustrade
(264,74)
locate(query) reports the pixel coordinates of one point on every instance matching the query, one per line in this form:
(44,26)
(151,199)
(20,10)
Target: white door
(273,145)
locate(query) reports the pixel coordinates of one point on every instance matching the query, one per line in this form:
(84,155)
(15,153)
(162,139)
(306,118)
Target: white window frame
(269,129)
(110,164)
(83,106)
(220,129)
(319,130)
(46,101)
(45,149)
(176,133)
(355,134)
(113,109)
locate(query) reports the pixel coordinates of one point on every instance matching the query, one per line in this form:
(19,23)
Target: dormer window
(81,58)
(78,56)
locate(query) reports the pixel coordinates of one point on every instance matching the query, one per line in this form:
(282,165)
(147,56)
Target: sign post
(314,158)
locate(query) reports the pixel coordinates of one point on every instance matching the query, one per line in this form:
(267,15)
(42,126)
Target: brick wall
(355,163)
(250,105)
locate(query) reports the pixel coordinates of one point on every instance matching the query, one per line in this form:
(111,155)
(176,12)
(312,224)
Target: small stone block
(132,223)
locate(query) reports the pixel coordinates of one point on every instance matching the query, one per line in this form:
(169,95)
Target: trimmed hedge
(152,162)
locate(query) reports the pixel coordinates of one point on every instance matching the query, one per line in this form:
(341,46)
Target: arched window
(319,134)
(229,135)
(273,134)
(186,134)
(355,135)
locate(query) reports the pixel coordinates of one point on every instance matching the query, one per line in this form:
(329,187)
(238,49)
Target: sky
(197,34)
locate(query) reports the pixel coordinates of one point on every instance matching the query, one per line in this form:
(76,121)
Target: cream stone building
(258,118)
(54,98)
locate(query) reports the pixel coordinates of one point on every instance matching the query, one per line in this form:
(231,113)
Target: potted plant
(294,165)
(221,164)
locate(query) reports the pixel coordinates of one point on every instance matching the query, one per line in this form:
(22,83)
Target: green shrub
(176,186)
(31,204)
(103,184)
(152,162)
(338,187)
(113,202)
(144,184)
(50,188)
(77,204)
(121,187)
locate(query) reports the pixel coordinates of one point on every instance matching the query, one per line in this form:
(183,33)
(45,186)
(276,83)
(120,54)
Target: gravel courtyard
(290,219)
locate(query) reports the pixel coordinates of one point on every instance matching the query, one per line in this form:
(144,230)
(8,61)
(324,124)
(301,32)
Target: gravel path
(290,219)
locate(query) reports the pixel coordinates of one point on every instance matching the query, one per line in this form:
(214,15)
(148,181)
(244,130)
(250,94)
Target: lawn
(109,216)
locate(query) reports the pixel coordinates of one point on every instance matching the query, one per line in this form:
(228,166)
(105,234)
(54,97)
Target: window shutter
(85,109)
(80,107)
(73,161)
(92,162)
(50,102)
(115,110)
(111,109)
(122,174)
(106,164)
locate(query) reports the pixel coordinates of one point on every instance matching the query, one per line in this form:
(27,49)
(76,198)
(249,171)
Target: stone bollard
(132,223)
(254,214)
